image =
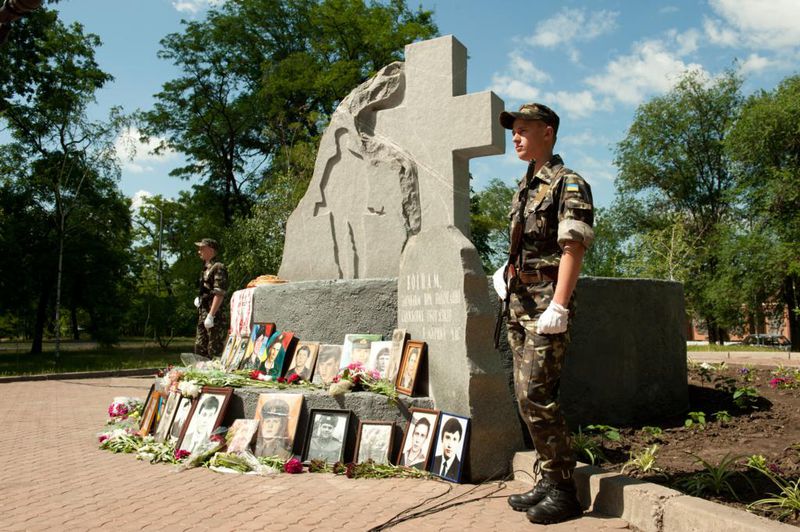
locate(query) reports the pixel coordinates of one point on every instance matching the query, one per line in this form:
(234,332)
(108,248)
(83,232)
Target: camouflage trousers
(210,342)
(538,360)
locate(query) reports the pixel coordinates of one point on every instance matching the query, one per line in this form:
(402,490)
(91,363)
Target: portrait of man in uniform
(374,441)
(305,356)
(356,348)
(327,435)
(379,357)
(181,414)
(408,369)
(418,439)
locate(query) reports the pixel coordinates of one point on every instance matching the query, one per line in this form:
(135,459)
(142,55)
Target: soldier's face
(206,253)
(449,443)
(530,137)
(325,430)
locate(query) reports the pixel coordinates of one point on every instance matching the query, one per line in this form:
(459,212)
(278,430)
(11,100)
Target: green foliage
(745,397)
(652,432)
(607,256)
(714,478)
(489,223)
(722,416)
(606,431)
(643,461)
(587,447)
(786,501)
(696,420)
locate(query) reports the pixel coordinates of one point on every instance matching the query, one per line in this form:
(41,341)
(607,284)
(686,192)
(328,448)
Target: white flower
(706,366)
(189,388)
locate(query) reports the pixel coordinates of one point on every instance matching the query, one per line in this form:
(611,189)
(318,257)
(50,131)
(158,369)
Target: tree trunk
(711,326)
(41,317)
(791,284)
(76,334)
(58,288)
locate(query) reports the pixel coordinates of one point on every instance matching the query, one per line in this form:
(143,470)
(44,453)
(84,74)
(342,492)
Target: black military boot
(522,501)
(559,504)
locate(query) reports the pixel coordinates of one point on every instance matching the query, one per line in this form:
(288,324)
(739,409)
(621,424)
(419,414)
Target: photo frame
(380,357)
(356,348)
(328,361)
(205,417)
(182,413)
(326,435)
(227,354)
(167,416)
(412,357)
(240,349)
(418,439)
(451,445)
(150,411)
(277,415)
(252,360)
(241,434)
(399,337)
(305,356)
(271,359)
(374,441)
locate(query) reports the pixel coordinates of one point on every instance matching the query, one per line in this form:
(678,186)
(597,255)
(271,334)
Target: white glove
(197,302)
(209,321)
(499,282)
(553,320)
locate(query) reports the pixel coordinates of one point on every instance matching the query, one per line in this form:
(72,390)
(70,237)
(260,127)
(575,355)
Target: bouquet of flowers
(120,440)
(356,376)
(123,407)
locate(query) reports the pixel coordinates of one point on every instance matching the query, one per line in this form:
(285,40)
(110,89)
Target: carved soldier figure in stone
(551,228)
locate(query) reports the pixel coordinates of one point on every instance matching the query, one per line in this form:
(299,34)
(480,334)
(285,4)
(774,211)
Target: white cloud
(763,24)
(592,168)
(584,138)
(137,200)
(194,6)
(651,68)
(519,81)
(136,156)
(756,63)
(513,89)
(687,41)
(576,104)
(571,25)
(523,68)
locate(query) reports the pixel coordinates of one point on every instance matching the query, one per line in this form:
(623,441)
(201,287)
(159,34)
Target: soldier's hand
(499,282)
(197,302)
(209,321)
(553,320)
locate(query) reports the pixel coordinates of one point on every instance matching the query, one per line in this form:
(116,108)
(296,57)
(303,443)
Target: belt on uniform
(538,276)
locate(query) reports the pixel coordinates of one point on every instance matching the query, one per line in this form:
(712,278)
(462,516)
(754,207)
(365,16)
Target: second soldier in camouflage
(213,284)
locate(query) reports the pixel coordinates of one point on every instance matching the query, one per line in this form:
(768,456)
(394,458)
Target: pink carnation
(102,438)
(293,466)
(336,378)
(375,374)
(355,366)
(180,454)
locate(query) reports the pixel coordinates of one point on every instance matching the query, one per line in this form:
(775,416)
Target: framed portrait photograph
(305,356)
(241,434)
(272,358)
(182,411)
(227,354)
(277,415)
(374,441)
(451,443)
(256,345)
(379,357)
(150,411)
(407,376)
(326,435)
(239,350)
(418,438)
(167,416)
(206,416)
(399,337)
(327,364)
(357,348)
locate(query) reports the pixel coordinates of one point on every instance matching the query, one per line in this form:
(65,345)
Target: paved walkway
(55,478)
(753,358)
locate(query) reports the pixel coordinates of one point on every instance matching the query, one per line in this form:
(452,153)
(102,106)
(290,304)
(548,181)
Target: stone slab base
(650,507)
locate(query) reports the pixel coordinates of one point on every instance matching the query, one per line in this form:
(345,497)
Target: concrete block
(691,514)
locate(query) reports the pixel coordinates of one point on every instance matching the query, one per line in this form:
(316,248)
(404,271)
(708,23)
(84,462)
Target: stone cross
(393,161)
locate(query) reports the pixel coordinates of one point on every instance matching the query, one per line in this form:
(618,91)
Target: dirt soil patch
(765,422)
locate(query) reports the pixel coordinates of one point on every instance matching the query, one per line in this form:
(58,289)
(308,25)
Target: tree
(606,257)
(489,223)
(675,181)
(765,146)
(59,168)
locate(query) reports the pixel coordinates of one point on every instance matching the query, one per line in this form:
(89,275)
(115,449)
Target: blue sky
(594,62)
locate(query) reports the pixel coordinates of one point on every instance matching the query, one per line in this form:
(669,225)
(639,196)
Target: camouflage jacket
(213,281)
(557,208)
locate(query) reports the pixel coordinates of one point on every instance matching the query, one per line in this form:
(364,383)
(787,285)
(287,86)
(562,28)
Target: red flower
(180,454)
(281,380)
(336,378)
(293,466)
(102,438)
(294,377)
(356,379)
(350,472)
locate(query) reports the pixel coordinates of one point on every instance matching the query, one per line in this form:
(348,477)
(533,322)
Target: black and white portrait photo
(450,444)
(327,434)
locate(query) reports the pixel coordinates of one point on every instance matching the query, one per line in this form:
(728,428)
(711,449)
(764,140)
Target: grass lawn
(732,347)
(88,356)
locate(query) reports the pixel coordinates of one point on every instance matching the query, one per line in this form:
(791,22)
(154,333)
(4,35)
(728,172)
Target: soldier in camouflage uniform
(211,323)
(551,228)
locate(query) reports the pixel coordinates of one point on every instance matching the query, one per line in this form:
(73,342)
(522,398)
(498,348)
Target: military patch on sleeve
(573,187)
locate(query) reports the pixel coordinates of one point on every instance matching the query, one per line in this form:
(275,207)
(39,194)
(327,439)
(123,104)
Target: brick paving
(54,477)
